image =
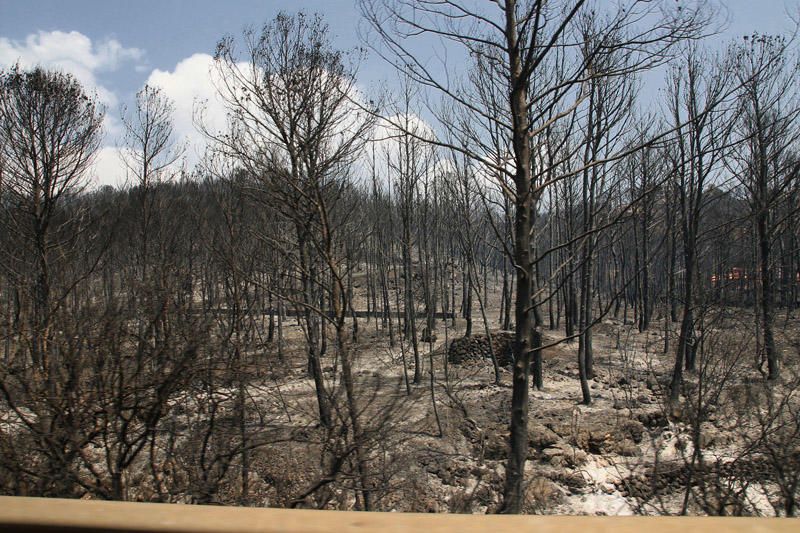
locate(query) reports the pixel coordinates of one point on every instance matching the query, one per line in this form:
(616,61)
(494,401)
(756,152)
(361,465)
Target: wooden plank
(43,514)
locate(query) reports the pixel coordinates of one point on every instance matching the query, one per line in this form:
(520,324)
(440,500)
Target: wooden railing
(43,514)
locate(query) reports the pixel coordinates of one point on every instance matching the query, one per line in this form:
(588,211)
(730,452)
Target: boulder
(541,437)
(652,419)
(542,493)
(574,481)
(627,448)
(602,436)
(565,455)
(632,429)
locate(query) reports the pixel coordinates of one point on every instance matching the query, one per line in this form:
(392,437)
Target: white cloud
(389,138)
(75,53)
(190,85)
(71,52)
(108,167)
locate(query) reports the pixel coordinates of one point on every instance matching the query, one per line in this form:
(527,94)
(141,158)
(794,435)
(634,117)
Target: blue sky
(167,30)
(116,46)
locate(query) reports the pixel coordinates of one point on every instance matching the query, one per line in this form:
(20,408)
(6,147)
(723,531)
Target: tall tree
(294,125)
(50,130)
(518,37)
(765,166)
(699,96)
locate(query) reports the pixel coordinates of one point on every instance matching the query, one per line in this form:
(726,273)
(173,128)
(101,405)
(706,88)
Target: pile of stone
(476,349)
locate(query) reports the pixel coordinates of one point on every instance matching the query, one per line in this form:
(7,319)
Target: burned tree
(294,125)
